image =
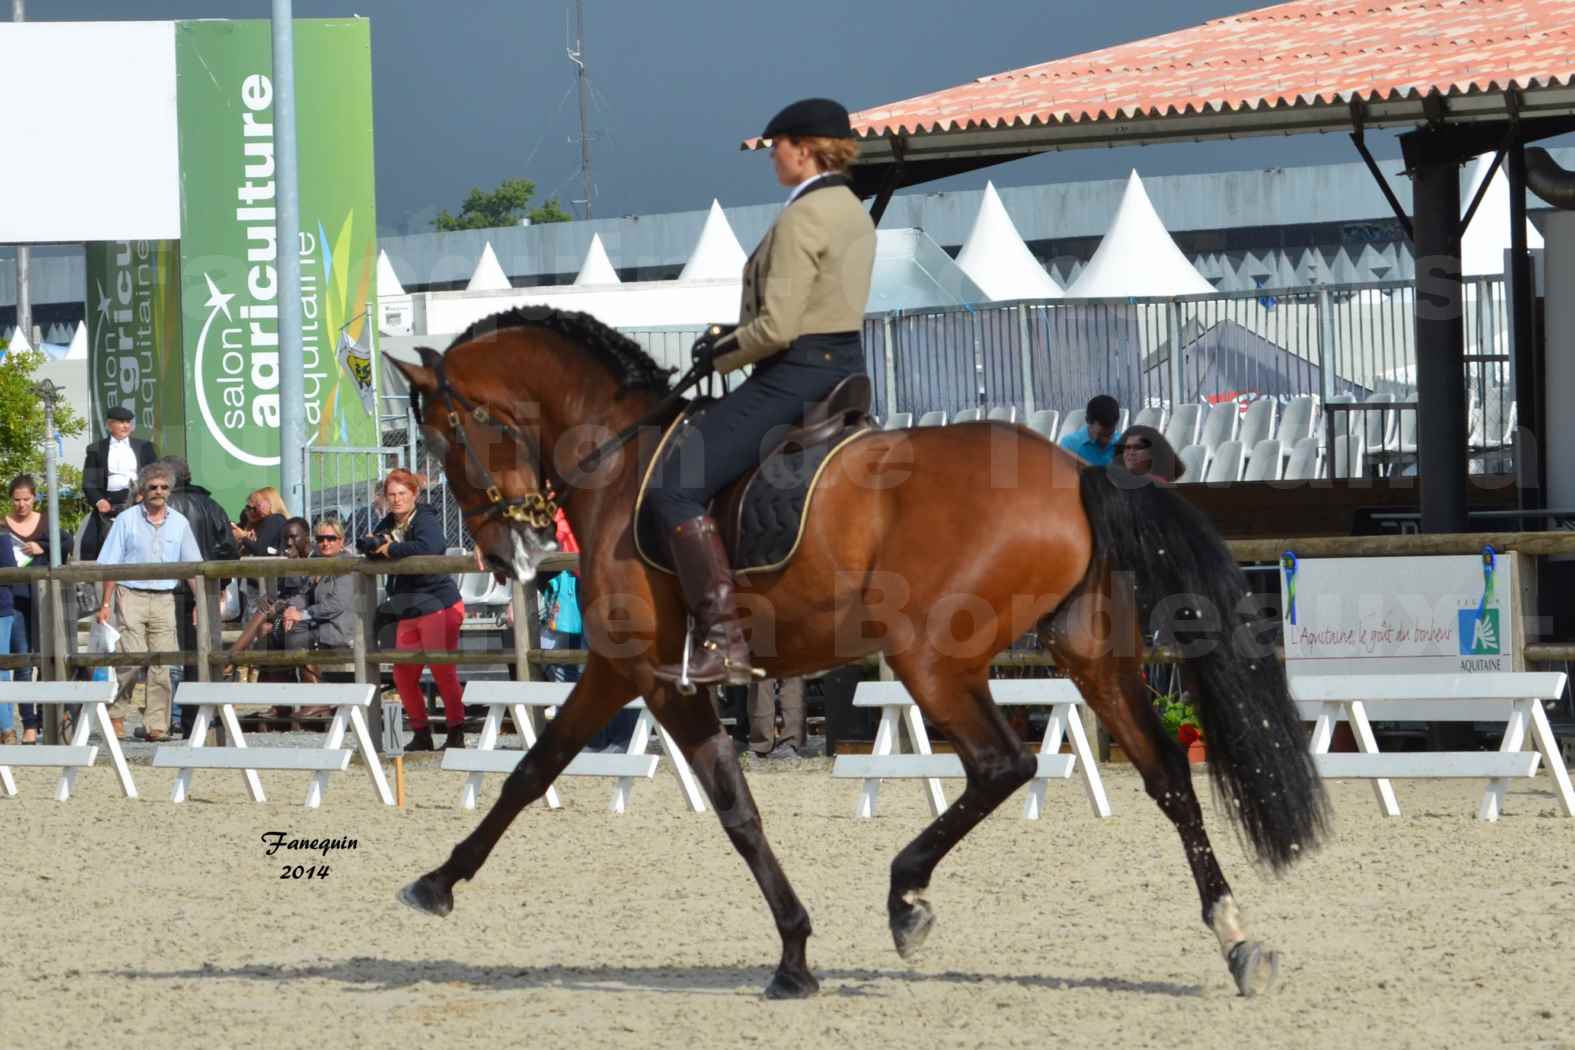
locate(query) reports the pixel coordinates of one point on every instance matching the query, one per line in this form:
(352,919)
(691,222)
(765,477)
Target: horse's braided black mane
(626,359)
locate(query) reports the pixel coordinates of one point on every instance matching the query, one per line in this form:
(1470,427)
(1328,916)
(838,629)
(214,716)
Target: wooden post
(527,631)
(48,639)
(364,645)
(199,601)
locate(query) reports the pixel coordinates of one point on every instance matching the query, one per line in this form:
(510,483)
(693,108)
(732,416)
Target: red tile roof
(1307,53)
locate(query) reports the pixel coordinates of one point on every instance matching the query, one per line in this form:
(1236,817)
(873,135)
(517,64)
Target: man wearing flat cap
(109,475)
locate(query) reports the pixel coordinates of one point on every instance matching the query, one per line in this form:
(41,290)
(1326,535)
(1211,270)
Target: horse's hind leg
(958,702)
(1109,675)
(710,752)
(598,694)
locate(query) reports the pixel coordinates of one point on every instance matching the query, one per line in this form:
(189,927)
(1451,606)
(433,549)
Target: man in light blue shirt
(149,532)
(1096,441)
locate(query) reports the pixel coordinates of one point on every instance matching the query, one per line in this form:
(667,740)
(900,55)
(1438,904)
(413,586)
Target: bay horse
(908,535)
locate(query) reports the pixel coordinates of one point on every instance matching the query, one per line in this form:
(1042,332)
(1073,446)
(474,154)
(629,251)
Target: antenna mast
(577,56)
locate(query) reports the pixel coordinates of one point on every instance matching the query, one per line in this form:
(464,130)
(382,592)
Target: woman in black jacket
(427,607)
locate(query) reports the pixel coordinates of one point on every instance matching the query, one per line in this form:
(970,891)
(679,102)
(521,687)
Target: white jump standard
(349,701)
(519,700)
(95,698)
(898,709)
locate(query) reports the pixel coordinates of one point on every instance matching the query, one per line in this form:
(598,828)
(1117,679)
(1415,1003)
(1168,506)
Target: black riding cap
(811,118)
(122,413)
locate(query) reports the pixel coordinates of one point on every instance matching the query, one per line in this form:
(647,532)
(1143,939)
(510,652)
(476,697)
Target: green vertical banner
(134,338)
(229,243)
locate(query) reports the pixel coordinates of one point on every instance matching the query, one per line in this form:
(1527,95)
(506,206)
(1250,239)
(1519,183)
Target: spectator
(211,528)
(426,606)
(263,536)
(109,475)
(26,532)
(7,723)
(1145,453)
(765,699)
(149,532)
(1094,442)
(365,518)
(322,615)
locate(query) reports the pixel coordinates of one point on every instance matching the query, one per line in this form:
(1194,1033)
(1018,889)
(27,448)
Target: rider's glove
(705,350)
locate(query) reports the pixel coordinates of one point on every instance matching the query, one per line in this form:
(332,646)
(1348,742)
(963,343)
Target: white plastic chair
(1220,425)
(968,415)
(1258,423)
(1381,428)
(1045,421)
(1321,431)
(1225,464)
(1002,414)
(1185,422)
(935,418)
(899,421)
(1071,423)
(1298,420)
(1350,459)
(1196,459)
(1303,464)
(1264,463)
(1151,416)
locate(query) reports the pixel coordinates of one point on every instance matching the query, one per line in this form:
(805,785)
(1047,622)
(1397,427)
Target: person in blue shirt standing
(150,531)
(1096,441)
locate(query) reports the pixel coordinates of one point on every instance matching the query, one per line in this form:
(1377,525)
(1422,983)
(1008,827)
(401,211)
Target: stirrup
(685,686)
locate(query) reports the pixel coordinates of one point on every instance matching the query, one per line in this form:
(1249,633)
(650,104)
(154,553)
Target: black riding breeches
(736,432)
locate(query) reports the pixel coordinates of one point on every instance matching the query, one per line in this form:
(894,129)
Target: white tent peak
(78,349)
(1137,256)
(597,268)
(387,280)
(717,253)
(995,256)
(18,341)
(489,275)
(1487,238)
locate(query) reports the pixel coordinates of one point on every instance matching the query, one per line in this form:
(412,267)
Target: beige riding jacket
(810,275)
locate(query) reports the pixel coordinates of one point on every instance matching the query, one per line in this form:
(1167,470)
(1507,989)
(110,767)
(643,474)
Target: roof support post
(1440,336)
(1525,361)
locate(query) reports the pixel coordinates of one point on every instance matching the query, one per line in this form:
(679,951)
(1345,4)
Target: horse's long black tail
(1258,755)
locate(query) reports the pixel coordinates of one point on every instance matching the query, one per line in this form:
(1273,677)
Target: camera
(368,544)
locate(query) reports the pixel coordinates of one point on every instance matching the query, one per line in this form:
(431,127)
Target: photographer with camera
(426,606)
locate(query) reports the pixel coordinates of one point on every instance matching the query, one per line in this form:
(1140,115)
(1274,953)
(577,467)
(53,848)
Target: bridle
(535,510)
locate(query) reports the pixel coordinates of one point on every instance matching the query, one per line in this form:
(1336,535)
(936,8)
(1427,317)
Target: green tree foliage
(504,206)
(22,433)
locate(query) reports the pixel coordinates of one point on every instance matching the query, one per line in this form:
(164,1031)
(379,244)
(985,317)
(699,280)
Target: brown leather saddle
(761,515)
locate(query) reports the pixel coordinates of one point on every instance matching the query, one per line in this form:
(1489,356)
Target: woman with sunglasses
(1143,452)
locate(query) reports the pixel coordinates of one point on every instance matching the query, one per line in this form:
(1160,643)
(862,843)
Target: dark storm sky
(470,92)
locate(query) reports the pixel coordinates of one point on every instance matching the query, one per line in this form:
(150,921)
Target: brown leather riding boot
(706,576)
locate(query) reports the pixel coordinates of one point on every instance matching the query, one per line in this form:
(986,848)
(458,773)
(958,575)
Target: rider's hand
(705,350)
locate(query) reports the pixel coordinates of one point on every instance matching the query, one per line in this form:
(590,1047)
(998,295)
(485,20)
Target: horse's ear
(423,377)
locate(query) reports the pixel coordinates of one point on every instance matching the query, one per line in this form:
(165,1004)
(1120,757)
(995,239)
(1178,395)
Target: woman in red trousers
(427,606)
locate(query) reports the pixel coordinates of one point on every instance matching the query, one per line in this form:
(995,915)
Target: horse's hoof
(911,925)
(1254,967)
(786,985)
(425,894)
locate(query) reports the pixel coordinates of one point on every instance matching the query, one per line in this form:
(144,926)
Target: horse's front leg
(599,693)
(709,750)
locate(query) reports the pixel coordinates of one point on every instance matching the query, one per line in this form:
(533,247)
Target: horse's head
(491,454)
